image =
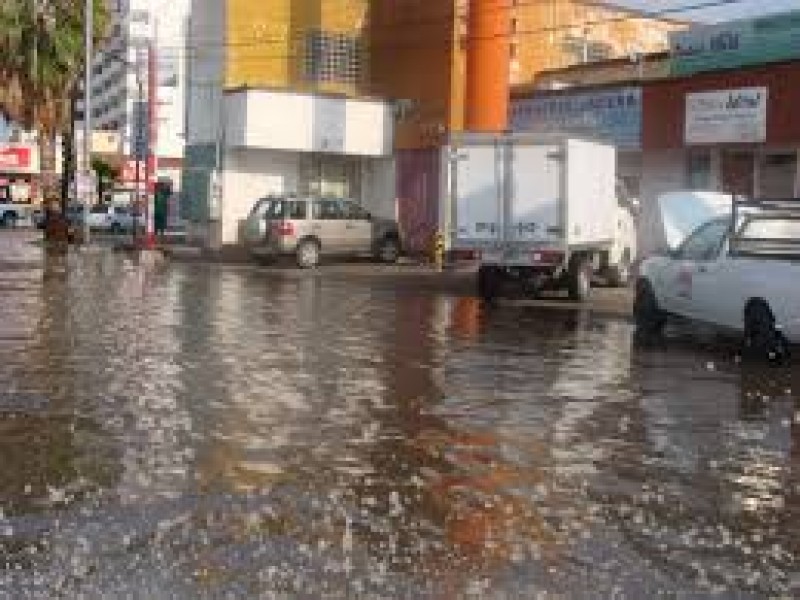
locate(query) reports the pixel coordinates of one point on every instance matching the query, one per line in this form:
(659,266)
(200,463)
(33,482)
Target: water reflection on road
(186,431)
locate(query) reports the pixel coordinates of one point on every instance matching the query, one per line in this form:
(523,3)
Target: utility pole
(87,113)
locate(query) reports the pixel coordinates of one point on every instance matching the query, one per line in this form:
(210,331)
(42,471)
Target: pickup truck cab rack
(765,228)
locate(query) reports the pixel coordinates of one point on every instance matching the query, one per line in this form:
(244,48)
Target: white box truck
(547,213)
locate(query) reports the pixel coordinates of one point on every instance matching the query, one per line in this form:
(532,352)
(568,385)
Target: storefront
(735,131)
(19,172)
(609,113)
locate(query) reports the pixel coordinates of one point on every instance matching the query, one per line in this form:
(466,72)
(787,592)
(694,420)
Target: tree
(106,175)
(41,59)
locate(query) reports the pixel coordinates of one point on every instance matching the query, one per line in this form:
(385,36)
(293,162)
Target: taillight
(547,257)
(463,254)
(283,229)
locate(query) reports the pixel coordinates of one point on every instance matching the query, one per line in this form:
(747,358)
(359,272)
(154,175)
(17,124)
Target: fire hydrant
(438,250)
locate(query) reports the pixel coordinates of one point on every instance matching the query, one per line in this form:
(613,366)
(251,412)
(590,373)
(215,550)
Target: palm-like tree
(41,55)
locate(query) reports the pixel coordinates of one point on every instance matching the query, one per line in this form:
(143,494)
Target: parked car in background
(739,272)
(14,213)
(308,228)
(111,217)
(76,214)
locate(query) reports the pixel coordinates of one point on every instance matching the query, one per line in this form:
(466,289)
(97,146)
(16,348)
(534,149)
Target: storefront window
(698,170)
(326,175)
(778,175)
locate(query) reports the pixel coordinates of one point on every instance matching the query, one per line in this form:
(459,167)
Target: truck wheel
(579,282)
(762,340)
(620,275)
(647,315)
(307,254)
(488,283)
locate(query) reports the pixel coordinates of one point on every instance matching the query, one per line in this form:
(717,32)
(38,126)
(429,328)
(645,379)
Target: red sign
(129,170)
(16,158)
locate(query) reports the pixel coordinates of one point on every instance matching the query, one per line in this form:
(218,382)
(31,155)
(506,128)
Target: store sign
(16,158)
(736,44)
(727,117)
(611,115)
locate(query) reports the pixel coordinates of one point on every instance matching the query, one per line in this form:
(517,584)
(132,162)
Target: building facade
(422,54)
(713,115)
(121,79)
(277,107)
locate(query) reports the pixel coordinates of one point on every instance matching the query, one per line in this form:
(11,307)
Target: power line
(628,16)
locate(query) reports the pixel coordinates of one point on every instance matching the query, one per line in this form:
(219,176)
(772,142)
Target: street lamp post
(87,112)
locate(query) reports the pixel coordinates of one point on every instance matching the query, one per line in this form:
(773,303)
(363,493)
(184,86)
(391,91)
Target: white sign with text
(727,116)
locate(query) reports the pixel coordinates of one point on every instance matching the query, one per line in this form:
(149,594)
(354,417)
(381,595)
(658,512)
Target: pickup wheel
(488,284)
(762,340)
(307,254)
(648,316)
(579,279)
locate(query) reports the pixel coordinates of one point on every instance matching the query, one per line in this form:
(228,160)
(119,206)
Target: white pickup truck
(546,213)
(739,271)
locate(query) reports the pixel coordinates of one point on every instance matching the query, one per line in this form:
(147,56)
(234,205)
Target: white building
(252,142)
(121,64)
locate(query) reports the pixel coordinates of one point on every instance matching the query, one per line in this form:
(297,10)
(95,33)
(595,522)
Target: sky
(735,9)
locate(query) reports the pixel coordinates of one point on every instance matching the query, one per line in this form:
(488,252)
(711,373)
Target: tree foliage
(41,58)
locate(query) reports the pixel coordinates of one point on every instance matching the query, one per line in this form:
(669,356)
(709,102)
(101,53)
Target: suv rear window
(278,208)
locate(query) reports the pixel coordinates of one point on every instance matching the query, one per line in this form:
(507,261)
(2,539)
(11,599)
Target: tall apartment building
(121,63)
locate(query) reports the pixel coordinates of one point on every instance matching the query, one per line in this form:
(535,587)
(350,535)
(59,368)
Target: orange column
(488,65)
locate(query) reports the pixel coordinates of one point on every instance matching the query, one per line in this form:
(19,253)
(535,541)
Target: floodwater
(190,431)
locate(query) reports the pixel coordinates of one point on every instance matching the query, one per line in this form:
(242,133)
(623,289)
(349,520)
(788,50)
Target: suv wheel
(389,250)
(307,254)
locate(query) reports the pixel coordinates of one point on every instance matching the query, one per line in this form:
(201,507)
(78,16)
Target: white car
(739,271)
(110,217)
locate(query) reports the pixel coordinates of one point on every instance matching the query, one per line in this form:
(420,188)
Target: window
(139,16)
(706,242)
(354,211)
(778,175)
(332,57)
(279,208)
(99,210)
(698,170)
(328,210)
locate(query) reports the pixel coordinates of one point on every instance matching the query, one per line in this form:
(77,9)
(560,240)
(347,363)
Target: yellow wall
(266,40)
(543,28)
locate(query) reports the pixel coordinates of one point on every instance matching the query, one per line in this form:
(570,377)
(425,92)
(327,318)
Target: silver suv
(308,228)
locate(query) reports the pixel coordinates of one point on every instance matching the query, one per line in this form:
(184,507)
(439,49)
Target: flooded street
(197,431)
